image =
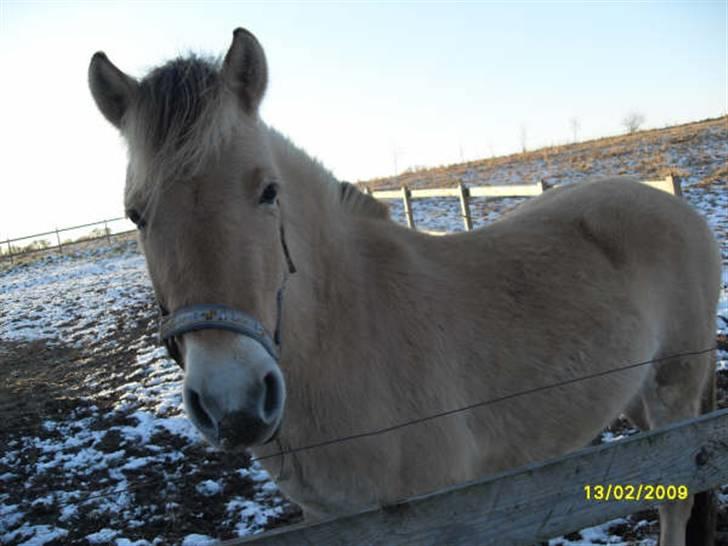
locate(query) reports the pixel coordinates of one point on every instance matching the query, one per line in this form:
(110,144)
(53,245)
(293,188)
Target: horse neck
(315,230)
(310,209)
(324,288)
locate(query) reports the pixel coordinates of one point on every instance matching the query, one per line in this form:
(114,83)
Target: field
(95,446)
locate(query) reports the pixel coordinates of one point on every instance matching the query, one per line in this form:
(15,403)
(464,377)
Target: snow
(601,535)
(103,536)
(76,293)
(89,461)
(209,488)
(35,535)
(198,540)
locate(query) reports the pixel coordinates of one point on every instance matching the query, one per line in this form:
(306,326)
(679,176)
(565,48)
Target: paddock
(131,399)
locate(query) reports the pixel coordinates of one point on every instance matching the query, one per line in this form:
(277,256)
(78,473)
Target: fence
(40,243)
(669,184)
(539,501)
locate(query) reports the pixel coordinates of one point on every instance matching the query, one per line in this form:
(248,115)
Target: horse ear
(245,70)
(112,90)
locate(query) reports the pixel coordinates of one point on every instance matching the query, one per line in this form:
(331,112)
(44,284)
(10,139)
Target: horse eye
(269,194)
(135,217)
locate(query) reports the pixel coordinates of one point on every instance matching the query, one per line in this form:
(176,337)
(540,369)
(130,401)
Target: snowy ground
(95,447)
(109,457)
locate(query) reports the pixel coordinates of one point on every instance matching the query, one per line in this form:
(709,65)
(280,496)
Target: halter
(205,316)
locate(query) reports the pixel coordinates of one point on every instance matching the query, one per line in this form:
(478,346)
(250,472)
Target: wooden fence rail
(536,502)
(669,184)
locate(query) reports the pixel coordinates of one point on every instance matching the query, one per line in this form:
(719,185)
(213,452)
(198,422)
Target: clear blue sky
(355,84)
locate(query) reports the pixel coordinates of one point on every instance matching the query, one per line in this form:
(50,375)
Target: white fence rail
(669,184)
(107,229)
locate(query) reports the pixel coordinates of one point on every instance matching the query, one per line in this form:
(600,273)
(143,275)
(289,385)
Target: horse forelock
(180,118)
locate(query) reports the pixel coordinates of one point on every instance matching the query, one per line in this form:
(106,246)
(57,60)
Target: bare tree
(633,121)
(575,126)
(524,137)
(396,155)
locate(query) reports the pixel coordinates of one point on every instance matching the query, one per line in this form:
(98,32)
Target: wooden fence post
(10,252)
(465,206)
(676,186)
(108,233)
(58,238)
(406,198)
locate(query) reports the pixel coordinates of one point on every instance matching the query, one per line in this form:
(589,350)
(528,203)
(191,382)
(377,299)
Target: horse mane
(362,204)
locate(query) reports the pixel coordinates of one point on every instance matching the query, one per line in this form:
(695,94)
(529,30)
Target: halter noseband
(205,316)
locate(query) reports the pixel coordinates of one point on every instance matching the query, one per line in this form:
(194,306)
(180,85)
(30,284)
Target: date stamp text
(635,492)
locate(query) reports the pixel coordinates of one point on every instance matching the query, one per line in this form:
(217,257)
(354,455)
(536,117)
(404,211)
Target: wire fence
(60,239)
(367,434)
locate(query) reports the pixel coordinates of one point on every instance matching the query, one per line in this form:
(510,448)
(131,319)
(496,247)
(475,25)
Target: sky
(369,88)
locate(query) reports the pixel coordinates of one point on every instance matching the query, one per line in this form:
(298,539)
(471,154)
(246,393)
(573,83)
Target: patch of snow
(10,515)
(250,516)
(35,535)
(198,540)
(103,536)
(43,501)
(208,488)
(67,512)
(137,462)
(127,542)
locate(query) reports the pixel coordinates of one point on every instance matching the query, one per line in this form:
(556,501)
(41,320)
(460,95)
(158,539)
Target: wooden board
(537,502)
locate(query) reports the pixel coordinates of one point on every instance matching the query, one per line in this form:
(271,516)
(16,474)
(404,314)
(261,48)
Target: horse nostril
(193,399)
(271,395)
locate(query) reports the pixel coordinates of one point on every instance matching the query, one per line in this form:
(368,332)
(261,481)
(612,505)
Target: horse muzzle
(234,391)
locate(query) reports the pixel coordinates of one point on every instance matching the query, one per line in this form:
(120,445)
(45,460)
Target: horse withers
(301,313)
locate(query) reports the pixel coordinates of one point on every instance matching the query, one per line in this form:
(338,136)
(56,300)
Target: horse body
(381,325)
(408,325)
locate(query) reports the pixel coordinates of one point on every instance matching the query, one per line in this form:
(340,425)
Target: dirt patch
(78,455)
(40,381)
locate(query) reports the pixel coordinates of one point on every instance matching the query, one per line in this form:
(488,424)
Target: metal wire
(413,422)
(478,405)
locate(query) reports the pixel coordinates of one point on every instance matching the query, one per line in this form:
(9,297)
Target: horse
(301,313)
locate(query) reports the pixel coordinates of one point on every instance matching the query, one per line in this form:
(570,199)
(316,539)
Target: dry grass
(718,176)
(646,152)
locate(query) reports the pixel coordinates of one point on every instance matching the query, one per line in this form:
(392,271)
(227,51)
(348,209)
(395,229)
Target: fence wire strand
(384,430)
